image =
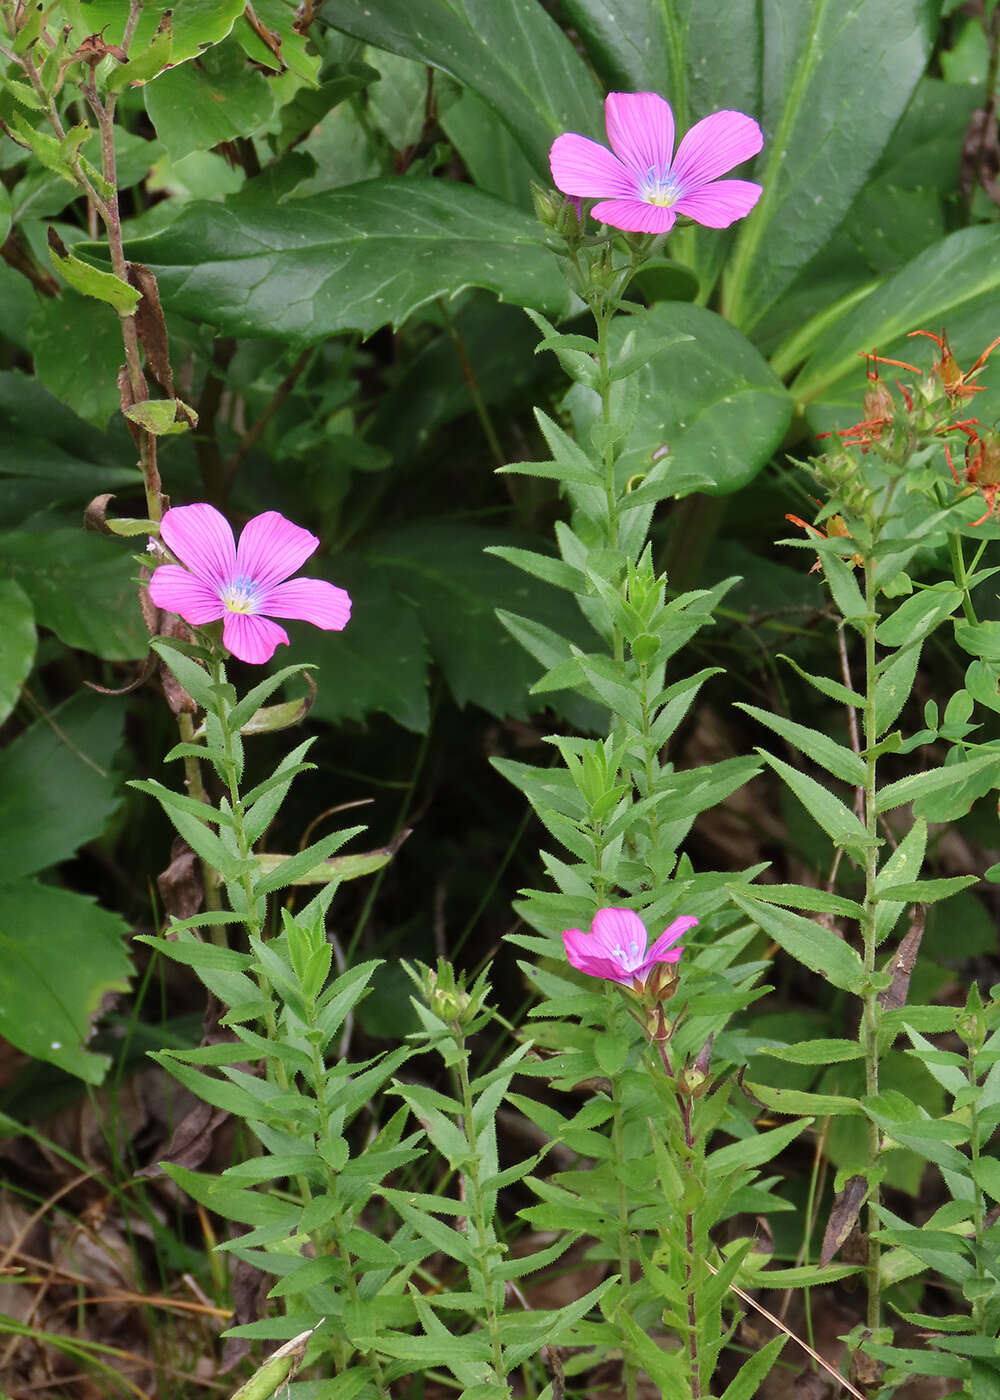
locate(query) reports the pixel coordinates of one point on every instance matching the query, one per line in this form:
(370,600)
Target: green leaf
(841,762)
(816,1052)
(195,106)
(60,954)
(805,897)
(893,688)
(68,751)
(511,52)
(808,942)
(17,655)
(796,1101)
(902,867)
(162,418)
(77,350)
(837,820)
(822,144)
(195,23)
(929,891)
(825,686)
(355,258)
(4,213)
(453,585)
(712,400)
(918,615)
(90,281)
(753,1371)
(919,784)
(288,870)
(753,1151)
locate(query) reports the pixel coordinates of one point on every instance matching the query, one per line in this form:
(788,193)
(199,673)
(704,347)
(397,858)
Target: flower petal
(619,929)
(251,638)
(663,949)
(581,954)
(179,591)
(202,539)
(310,600)
(635,215)
(271,548)
(713,146)
(582,167)
(720,203)
(641,131)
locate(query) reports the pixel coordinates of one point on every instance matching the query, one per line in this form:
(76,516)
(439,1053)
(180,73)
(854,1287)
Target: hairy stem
(870,1015)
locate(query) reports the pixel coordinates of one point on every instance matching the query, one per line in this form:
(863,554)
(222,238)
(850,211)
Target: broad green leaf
(841,762)
(822,143)
(956,283)
(453,586)
(838,821)
(757,1365)
(17,654)
(804,897)
(335,868)
(379,662)
(510,52)
(77,349)
(56,787)
(355,258)
(489,151)
(60,954)
(195,106)
(195,23)
(162,418)
(81,587)
(711,412)
(811,944)
(4,213)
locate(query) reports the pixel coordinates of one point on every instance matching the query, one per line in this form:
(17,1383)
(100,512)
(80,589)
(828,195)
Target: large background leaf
(351,259)
(837,75)
(509,51)
(57,789)
(955,284)
(711,400)
(59,955)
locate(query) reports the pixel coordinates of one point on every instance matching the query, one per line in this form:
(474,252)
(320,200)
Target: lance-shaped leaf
(808,941)
(354,258)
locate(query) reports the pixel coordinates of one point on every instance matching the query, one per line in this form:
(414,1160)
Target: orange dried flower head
(956,384)
(982,464)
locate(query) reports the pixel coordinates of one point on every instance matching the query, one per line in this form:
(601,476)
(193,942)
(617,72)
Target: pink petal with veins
(641,131)
(635,215)
(310,600)
(582,167)
(721,203)
(271,548)
(714,146)
(252,638)
(201,538)
(179,591)
(663,949)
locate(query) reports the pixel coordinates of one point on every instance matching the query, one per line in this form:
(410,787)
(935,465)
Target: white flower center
(628,957)
(662,189)
(240,595)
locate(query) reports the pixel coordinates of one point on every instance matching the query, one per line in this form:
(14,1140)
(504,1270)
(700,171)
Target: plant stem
(486,1248)
(624,1243)
(870,1016)
(978,1214)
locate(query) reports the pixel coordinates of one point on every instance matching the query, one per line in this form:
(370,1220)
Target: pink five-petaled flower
(615,948)
(643,186)
(247,584)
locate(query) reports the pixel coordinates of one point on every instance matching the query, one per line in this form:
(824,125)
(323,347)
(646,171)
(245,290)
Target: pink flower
(616,949)
(243,583)
(643,186)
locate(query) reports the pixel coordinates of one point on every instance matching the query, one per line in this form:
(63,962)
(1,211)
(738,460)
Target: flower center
(240,595)
(661,188)
(628,957)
